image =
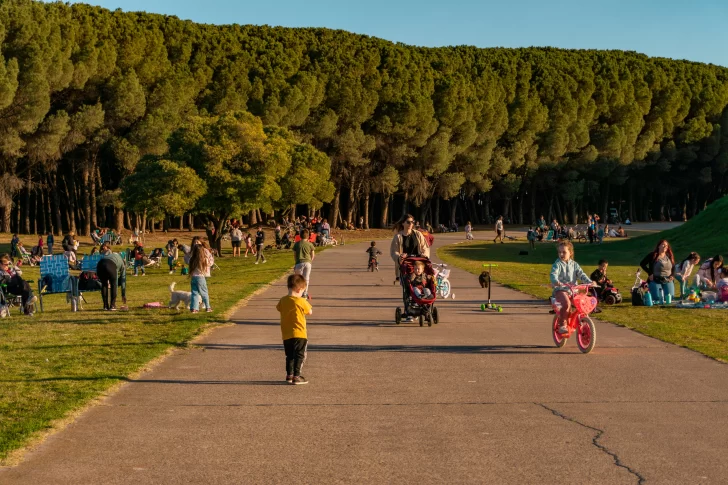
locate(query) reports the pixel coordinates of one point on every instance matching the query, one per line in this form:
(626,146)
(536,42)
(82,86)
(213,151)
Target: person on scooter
(565,271)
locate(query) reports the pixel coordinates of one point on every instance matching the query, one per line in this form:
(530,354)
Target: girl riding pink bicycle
(565,273)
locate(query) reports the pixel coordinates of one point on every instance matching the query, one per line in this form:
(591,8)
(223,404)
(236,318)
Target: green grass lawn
(705,331)
(57,361)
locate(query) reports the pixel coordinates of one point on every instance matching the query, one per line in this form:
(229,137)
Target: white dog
(177,297)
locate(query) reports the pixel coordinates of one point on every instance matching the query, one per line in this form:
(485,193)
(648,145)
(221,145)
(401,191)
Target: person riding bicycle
(565,271)
(373,251)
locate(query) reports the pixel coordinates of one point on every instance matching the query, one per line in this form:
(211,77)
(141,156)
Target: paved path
(479,398)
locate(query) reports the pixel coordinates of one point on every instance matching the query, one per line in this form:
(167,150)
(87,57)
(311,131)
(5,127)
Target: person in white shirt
(499,233)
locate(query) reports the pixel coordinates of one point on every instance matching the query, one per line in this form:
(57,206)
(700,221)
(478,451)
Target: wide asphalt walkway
(481,397)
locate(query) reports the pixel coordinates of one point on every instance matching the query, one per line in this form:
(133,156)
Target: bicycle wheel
(444,289)
(559,339)
(586,336)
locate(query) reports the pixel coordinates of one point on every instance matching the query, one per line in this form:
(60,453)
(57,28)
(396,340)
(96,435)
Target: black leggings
(106,271)
(295,355)
(18,286)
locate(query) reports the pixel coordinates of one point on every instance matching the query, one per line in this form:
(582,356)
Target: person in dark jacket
(111,271)
(11,277)
(259,243)
(660,268)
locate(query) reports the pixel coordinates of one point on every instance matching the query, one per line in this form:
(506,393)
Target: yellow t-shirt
(293,311)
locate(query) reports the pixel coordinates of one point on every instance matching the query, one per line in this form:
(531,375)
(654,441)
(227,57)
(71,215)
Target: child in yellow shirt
(293,309)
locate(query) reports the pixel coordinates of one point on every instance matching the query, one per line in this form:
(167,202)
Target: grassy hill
(705,331)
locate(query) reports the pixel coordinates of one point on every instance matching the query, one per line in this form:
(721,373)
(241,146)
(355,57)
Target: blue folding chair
(55,278)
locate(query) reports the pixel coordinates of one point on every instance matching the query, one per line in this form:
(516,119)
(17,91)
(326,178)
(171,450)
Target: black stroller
(422,308)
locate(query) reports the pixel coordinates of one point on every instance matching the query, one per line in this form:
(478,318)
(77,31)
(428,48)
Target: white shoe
(171,272)
(256,262)
(265,261)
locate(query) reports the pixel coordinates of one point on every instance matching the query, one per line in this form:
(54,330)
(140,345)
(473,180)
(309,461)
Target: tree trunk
(143,225)
(6,212)
(151,225)
(26,202)
(191,223)
(334,211)
(351,207)
(53,182)
(366,210)
(436,217)
(92,196)
(404,205)
(453,211)
(118,219)
(605,201)
(385,210)
(70,216)
(181,222)
(253,216)
(559,213)
(85,199)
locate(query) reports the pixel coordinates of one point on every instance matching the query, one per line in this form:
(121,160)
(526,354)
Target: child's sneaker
(194,311)
(289,379)
(563,329)
(209,310)
(299,381)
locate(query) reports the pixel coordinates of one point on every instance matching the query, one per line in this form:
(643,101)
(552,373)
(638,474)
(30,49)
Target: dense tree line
(90,97)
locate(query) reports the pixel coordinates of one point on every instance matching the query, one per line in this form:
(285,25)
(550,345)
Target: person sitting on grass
(599,276)
(565,271)
(11,278)
(660,266)
(709,273)
(421,282)
(620,232)
(684,270)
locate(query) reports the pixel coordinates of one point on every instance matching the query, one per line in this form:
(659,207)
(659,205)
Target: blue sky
(680,29)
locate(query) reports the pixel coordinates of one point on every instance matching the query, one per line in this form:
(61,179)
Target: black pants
(295,355)
(106,271)
(18,286)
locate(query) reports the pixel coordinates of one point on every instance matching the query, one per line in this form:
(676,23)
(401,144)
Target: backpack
(428,237)
(89,282)
(184,271)
(637,297)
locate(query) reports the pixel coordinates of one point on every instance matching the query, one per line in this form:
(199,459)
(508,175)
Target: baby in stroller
(418,291)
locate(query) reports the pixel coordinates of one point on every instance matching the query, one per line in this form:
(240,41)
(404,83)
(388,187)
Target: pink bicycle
(582,304)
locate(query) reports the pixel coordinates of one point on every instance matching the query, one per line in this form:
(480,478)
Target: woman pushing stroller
(407,242)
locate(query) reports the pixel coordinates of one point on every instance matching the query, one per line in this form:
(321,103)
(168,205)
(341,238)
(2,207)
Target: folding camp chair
(56,279)
(25,256)
(89,263)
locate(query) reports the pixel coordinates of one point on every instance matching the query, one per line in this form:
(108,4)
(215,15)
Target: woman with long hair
(201,262)
(684,270)
(660,267)
(710,272)
(407,242)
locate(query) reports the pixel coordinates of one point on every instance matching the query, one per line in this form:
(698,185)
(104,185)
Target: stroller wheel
(435,316)
(430,319)
(398,316)
(422,321)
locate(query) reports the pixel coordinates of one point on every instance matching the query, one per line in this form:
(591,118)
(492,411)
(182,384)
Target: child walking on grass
(293,309)
(201,262)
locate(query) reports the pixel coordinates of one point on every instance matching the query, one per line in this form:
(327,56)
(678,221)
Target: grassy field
(705,331)
(57,361)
